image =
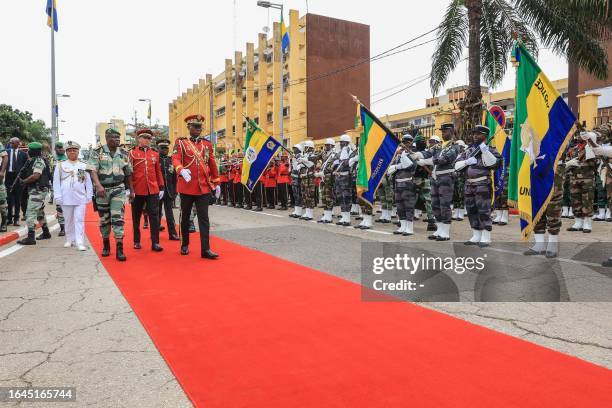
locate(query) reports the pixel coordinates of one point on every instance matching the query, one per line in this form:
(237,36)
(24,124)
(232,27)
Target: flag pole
(53,95)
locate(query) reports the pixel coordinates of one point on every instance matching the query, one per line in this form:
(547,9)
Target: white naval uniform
(73,190)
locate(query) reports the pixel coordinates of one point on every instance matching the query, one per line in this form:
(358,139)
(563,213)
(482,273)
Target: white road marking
(16,247)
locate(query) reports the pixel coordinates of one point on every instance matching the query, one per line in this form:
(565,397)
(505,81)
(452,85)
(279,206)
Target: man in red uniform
(198,179)
(148,182)
(269,183)
(224,168)
(283,180)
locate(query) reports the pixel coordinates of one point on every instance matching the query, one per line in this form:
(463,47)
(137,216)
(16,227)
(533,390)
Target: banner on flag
(259,149)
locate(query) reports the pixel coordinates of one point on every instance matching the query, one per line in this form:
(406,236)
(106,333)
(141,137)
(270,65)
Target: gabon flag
(543,125)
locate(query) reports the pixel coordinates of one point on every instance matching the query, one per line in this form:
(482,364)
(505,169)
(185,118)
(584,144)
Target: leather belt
(477,179)
(112,185)
(403,179)
(342,173)
(441,172)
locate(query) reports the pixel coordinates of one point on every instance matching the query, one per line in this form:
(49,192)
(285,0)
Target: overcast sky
(111,53)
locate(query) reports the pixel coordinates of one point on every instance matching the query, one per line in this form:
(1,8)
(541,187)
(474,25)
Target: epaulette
(181,138)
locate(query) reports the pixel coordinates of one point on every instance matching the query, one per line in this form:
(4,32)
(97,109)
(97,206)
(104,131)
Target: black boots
(29,240)
(106,248)
(3,224)
(45,234)
(119,255)
(62,231)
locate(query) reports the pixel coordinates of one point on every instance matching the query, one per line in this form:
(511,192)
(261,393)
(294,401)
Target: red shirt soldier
(198,178)
(283,180)
(224,170)
(148,184)
(269,184)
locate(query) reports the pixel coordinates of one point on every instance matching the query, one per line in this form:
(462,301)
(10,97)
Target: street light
(53,140)
(279,6)
(149,111)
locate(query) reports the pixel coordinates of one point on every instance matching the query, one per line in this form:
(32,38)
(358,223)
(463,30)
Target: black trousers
(25,196)
(166,206)
(201,204)
(238,194)
(151,202)
(256,195)
(224,193)
(13,198)
(282,193)
(290,195)
(270,199)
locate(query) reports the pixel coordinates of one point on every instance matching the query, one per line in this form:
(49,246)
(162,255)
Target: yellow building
(250,85)
(117,124)
(444,108)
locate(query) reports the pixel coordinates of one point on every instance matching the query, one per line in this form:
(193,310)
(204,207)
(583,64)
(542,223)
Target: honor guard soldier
(422,183)
(224,168)
(342,179)
(296,167)
(458,203)
(169,176)
(477,162)
(111,172)
(443,181)
(149,187)
(36,177)
(198,178)
(4,220)
(307,179)
(581,165)
(283,181)
(403,168)
(327,180)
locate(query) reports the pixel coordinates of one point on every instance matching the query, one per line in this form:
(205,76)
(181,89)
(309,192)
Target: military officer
(422,182)
(169,177)
(342,179)
(477,162)
(198,178)
(403,168)
(442,157)
(327,180)
(111,172)
(283,180)
(36,178)
(3,196)
(458,203)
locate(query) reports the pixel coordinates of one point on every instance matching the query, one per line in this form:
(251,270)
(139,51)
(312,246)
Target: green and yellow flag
(543,125)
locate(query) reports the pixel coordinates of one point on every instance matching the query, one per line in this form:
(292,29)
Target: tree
(14,123)
(572,28)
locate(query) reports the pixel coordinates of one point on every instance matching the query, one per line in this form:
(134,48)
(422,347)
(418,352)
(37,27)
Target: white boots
(601,215)
(587,225)
(458,214)
(476,234)
(345,219)
(385,217)
(417,214)
(443,232)
(578,223)
(326,218)
(297,212)
(565,212)
(503,220)
(550,249)
(308,214)
(406,228)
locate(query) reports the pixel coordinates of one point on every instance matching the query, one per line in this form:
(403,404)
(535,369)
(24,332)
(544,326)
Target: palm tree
(572,28)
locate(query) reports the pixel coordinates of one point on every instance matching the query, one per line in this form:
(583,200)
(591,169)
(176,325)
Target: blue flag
(52,14)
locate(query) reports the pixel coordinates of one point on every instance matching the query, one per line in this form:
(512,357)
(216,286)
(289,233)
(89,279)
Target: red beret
(196,119)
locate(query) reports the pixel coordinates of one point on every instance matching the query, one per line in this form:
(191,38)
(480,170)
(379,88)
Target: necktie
(14,161)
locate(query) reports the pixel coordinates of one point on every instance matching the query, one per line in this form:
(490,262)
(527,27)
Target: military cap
(481,129)
(419,138)
(435,138)
(72,145)
(407,137)
(112,132)
(163,142)
(59,144)
(461,143)
(194,119)
(144,133)
(447,125)
(35,146)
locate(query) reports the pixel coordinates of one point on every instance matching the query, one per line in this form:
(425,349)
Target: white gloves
(319,174)
(417,156)
(127,192)
(483,146)
(460,165)
(572,163)
(217,191)
(470,161)
(336,162)
(392,169)
(589,136)
(425,162)
(161,194)
(405,162)
(353,160)
(186,174)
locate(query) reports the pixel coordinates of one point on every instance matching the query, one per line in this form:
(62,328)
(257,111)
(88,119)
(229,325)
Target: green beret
(111,131)
(419,138)
(59,144)
(34,146)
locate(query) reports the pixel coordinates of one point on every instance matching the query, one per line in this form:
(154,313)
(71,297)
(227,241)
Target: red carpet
(253,330)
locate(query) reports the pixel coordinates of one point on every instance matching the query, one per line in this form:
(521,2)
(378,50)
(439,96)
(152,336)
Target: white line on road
(17,247)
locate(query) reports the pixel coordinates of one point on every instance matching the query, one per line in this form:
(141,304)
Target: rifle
(21,173)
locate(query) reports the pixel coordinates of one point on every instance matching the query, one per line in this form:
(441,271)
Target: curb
(21,232)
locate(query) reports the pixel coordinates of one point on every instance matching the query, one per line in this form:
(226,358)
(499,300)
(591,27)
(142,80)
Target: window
(256,94)
(220,88)
(286,80)
(256,120)
(220,112)
(270,87)
(269,116)
(269,58)
(256,67)
(234,130)
(221,133)
(286,112)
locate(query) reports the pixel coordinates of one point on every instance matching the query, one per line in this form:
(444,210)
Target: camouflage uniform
(328,181)
(582,178)
(385,193)
(405,191)
(479,188)
(343,186)
(112,172)
(458,192)
(3,196)
(501,201)
(307,180)
(443,180)
(36,200)
(422,186)
(551,219)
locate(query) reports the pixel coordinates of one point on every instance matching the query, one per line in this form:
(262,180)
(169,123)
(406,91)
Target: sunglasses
(196,126)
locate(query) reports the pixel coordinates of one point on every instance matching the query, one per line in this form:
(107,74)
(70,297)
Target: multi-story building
(117,124)
(445,107)
(327,60)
